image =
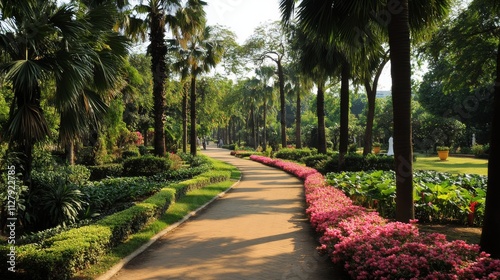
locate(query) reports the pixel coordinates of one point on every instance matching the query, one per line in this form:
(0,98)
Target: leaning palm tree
(348,20)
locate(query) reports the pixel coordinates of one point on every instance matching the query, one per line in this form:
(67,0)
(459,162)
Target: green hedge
(294,154)
(357,162)
(145,166)
(62,255)
(100,172)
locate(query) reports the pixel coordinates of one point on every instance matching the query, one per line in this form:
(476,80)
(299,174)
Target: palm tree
(161,14)
(265,73)
(347,21)
(43,42)
(204,52)
(491,225)
(84,115)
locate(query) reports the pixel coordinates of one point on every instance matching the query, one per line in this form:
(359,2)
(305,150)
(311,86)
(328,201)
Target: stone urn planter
(376,148)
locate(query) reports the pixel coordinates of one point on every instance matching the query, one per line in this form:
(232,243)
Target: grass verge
(175,212)
(453,165)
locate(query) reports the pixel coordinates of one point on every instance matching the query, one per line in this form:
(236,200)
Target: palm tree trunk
(399,44)
(158,67)
(264,136)
(371,93)
(370,115)
(193,115)
(491,225)
(70,152)
(185,117)
(320,112)
(298,120)
(344,115)
(281,78)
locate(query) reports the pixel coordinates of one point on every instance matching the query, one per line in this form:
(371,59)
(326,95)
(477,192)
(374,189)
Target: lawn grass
(190,202)
(452,164)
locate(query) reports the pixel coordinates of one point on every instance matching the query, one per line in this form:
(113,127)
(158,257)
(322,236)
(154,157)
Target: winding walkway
(258,230)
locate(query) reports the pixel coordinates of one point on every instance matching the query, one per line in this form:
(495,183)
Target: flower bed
(370,247)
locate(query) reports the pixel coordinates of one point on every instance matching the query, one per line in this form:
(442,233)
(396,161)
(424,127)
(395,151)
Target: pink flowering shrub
(370,247)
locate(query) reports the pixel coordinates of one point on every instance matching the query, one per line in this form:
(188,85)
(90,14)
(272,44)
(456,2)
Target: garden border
(113,270)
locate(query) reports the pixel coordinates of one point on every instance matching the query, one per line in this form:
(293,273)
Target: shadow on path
(258,230)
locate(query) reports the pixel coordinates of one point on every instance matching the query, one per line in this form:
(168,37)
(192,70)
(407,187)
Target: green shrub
(129,154)
(176,161)
(100,172)
(293,154)
(229,146)
(145,166)
(103,195)
(143,150)
(54,200)
(61,256)
(314,160)
(357,162)
(352,149)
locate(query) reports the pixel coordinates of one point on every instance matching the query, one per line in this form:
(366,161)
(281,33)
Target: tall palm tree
(491,225)
(204,52)
(347,20)
(161,14)
(265,73)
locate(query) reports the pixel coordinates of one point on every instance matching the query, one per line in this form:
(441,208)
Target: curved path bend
(258,230)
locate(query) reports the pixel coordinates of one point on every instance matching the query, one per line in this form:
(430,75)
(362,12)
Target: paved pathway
(258,230)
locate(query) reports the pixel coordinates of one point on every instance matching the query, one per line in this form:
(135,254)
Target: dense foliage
(438,197)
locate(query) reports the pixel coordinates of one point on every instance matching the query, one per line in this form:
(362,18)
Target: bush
(110,170)
(145,166)
(357,162)
(143,150)
(315,160)
(293,154)
(61,256)
(176,161)
(129,154)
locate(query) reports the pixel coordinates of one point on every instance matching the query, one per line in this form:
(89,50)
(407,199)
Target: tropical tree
(182,20)
(108,50)
(348,21)
(491,225)
(203,52)
(43,42)
(269,42)
(265,73)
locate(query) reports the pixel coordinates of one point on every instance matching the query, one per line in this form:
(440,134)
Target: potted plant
(376,147)
(443,152)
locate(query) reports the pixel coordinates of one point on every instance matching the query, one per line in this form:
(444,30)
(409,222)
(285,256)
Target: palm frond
(28,124)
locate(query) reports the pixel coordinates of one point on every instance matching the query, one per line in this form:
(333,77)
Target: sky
(243,16)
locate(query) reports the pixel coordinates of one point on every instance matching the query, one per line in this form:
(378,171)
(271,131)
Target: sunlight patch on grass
(452,165)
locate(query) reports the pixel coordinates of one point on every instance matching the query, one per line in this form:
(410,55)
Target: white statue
(473,139)
(390,151)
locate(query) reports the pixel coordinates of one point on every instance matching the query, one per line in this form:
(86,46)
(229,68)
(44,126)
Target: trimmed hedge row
(62,255)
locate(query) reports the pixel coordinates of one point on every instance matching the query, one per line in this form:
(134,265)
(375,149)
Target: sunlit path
(257,231)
